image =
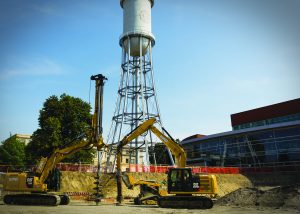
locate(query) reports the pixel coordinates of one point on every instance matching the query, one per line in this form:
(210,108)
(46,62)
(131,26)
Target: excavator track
(32,199)
(185,202)
(64,199)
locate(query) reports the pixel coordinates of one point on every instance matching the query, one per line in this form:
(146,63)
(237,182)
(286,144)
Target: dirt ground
(236,194)
(91,208)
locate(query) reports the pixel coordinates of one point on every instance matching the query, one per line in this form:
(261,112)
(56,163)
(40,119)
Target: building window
(261,148)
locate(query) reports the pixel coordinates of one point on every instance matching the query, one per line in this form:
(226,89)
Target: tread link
(34,199)
(185,202)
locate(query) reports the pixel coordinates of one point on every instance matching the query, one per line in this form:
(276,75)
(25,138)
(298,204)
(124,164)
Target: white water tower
(137,26)
(137,100)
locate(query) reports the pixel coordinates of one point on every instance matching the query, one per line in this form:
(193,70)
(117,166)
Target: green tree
(61,121)
(12,152)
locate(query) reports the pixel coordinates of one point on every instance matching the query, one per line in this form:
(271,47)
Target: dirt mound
(84,182)
(284,196)
(77,182)
(228,183)
(240,197)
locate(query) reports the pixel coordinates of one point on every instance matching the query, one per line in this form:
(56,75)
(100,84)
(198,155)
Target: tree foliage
(12,152)
(61,121)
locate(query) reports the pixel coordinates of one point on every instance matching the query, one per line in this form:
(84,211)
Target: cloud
(34,67)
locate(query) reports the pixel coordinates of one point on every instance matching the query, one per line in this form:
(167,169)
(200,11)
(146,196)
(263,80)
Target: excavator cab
(184,185)
(181,180)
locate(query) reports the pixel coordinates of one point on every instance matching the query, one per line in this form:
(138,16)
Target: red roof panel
(267,112)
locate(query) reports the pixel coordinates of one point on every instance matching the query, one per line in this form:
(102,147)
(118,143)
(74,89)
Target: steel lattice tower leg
(137,100)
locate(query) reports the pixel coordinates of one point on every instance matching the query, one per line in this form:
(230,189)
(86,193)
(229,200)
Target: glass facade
(256,147)
(286,118)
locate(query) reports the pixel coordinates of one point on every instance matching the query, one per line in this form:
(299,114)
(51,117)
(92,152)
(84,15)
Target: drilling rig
(32,187)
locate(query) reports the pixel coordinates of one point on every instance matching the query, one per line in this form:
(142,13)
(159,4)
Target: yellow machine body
(182,184)
(21,182)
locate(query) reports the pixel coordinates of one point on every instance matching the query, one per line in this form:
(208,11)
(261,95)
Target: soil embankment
(84,182)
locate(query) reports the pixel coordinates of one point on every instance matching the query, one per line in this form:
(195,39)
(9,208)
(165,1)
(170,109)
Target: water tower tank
(137,26)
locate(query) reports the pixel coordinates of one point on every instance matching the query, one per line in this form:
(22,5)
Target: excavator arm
(94,135)
(130,182)
(176,149)
(47,164)
(149,190)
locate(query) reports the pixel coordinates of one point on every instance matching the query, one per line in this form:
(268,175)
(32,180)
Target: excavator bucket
(128,180)
(41,165)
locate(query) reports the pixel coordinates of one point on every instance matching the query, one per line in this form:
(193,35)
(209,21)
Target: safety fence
(77,193)
(143,168)
(218,170)
(162,168)
(77,167)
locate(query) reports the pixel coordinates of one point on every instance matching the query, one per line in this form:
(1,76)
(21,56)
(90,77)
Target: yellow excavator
(184,189)
(32,189)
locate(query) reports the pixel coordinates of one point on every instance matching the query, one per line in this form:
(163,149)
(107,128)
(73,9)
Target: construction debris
(282,196)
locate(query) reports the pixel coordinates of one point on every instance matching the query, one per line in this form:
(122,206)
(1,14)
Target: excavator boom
(176,149)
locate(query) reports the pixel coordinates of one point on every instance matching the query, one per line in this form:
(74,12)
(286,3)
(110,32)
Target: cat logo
(195,185)
(29,182)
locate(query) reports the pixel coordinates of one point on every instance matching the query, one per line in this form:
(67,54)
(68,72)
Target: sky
(212,58)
